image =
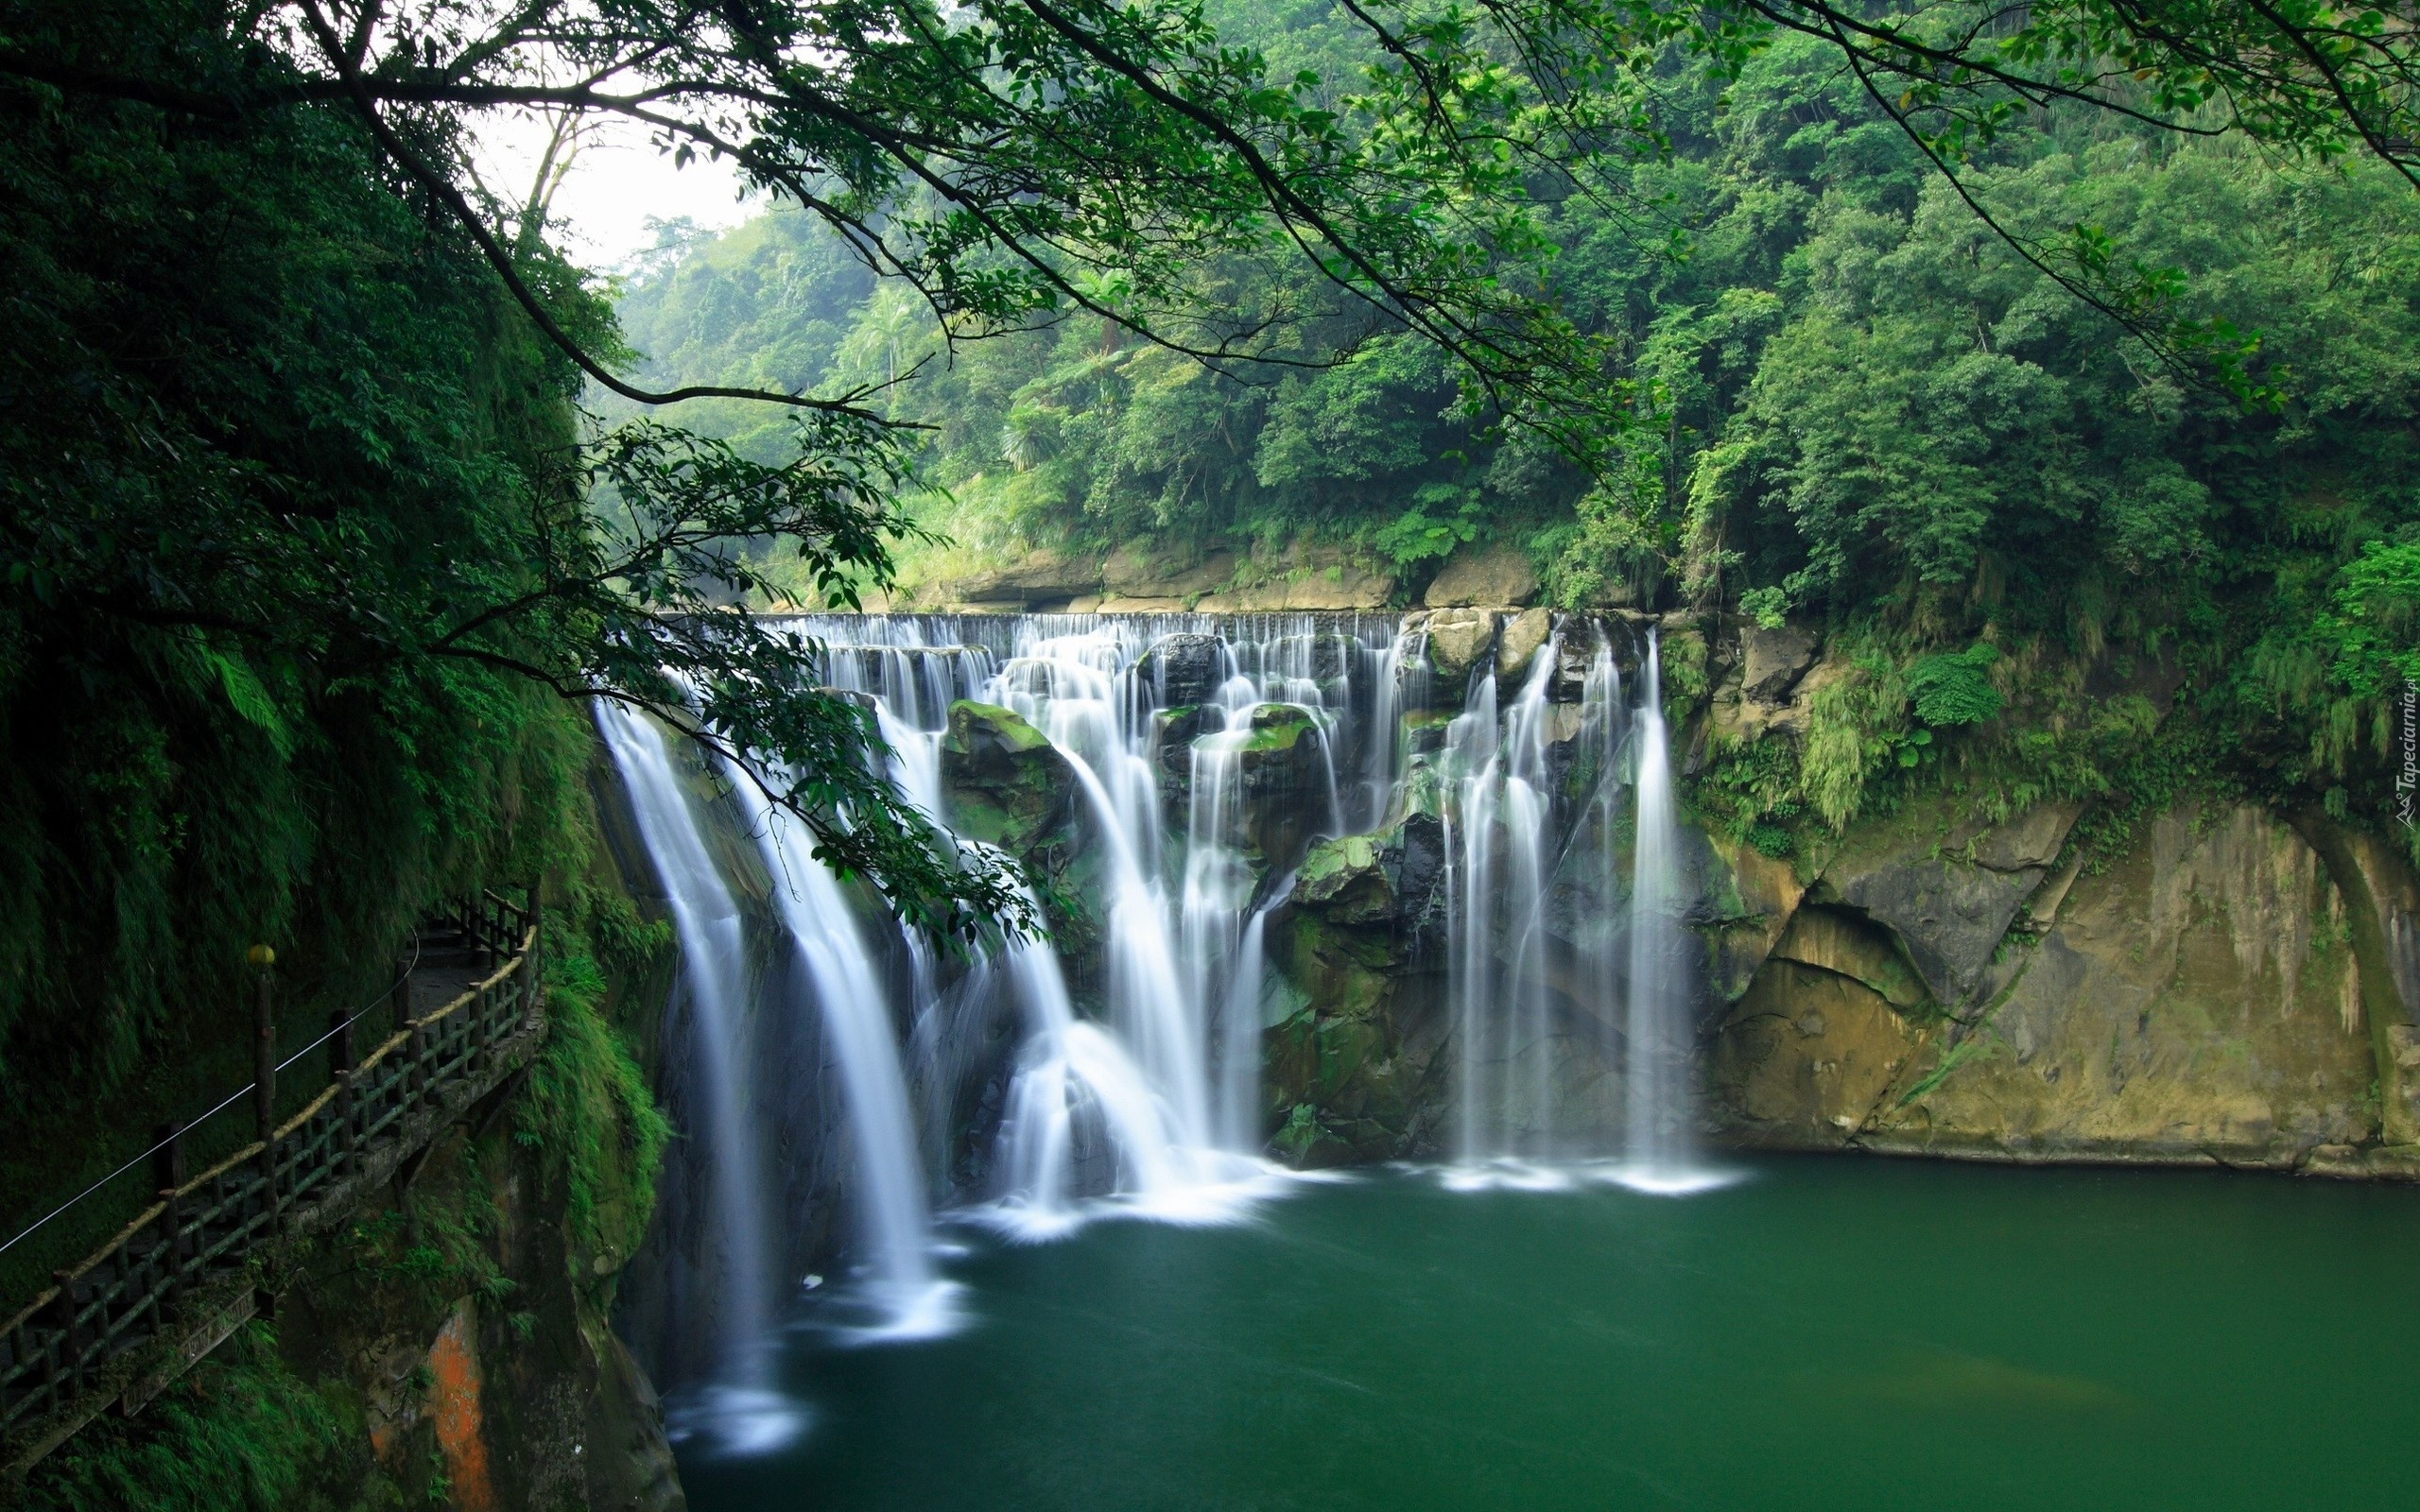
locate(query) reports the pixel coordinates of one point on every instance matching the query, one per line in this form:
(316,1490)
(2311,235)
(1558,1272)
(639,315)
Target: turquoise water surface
(1827,1333)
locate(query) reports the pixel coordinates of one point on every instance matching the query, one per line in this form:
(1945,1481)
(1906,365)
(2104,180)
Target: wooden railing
(198,1232)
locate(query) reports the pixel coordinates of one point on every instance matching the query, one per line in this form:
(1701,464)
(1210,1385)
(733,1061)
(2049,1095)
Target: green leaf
(248,699)
(1954,688)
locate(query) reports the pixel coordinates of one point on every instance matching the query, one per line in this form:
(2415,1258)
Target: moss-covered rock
(1354,1069)
(1004,783)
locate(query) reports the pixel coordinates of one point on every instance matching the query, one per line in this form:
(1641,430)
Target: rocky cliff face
(2237,988)
(2215,995)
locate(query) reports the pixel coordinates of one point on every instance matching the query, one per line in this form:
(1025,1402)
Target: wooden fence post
(402,991)
(532,985)
(70,1375)
(167,1174)
(265,1071)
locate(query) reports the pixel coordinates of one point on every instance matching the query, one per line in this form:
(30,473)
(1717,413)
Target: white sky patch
(618,182)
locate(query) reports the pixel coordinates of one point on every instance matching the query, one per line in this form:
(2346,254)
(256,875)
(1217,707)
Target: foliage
(1954,688)
(1856,729)
(587,1109)
(238,1434)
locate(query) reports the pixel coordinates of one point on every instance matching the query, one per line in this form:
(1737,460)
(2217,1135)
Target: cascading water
(735,1283)
(1201,760)
(1503,849)
(1157,1102)
(1658,1152)
(901,1292)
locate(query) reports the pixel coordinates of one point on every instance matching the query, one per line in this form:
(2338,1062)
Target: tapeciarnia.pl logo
(2407,780)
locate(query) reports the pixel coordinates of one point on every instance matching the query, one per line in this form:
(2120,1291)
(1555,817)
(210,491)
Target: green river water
(1829,1333)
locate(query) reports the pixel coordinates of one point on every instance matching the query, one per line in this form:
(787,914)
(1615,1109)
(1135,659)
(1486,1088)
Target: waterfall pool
(1828,1333)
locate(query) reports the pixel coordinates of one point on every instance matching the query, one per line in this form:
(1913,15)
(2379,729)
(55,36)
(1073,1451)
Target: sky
(617,181)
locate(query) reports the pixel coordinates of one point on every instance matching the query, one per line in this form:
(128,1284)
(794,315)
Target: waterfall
(1658,1150)
(1203,759)
(900,1292)
(1149,1095)
(1502,849)
(738,1408)
(1076,1087)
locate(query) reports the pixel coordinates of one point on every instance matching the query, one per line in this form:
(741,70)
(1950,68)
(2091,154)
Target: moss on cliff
(447,1346)
(240,1433)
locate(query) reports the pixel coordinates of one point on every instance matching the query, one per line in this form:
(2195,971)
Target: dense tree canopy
(1852,399)
(1934,323)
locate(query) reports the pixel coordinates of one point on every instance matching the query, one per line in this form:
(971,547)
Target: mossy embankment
(448,1344)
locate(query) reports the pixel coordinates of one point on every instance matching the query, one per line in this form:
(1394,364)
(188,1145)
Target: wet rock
(1845,944)
(1282,779)
(2380,893)
(1456,640)
(1179,670)
(1574,657)
(1496,577)
(1949,912)
(1808,1057)
(1173,733)
(2030,842)
(1424,732)
(1283,753)
(1002,781)
(1743,903)
(1353,1064)
(1774,661)
(1523,634)
(1344,882)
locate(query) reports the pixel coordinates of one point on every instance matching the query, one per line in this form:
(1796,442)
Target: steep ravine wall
(2236,986)
(449,1345)
(2202,999)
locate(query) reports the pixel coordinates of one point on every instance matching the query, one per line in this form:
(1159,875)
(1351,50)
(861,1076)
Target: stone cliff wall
(2238,986)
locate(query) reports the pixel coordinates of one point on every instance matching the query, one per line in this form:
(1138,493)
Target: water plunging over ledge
(1181,774)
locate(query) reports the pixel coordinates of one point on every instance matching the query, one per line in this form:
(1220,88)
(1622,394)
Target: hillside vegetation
(1857,403)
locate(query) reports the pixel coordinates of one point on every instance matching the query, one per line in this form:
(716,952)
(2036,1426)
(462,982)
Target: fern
(1954,687)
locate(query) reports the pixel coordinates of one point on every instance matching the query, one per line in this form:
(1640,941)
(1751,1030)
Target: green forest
(1856,390)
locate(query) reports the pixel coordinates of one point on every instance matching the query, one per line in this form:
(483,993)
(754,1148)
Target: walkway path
(178,1280)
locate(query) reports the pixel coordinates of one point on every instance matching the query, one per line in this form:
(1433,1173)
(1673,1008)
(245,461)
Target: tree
(1015,162)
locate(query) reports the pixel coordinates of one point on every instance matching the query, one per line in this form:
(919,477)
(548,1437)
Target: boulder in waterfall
(1345,882)
(1490,576)
(1574,657)
(1283,752)
(1354,1070)
(1002,782)
(1457,639)
(1180,671)
(1523,634)
(1282,773)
